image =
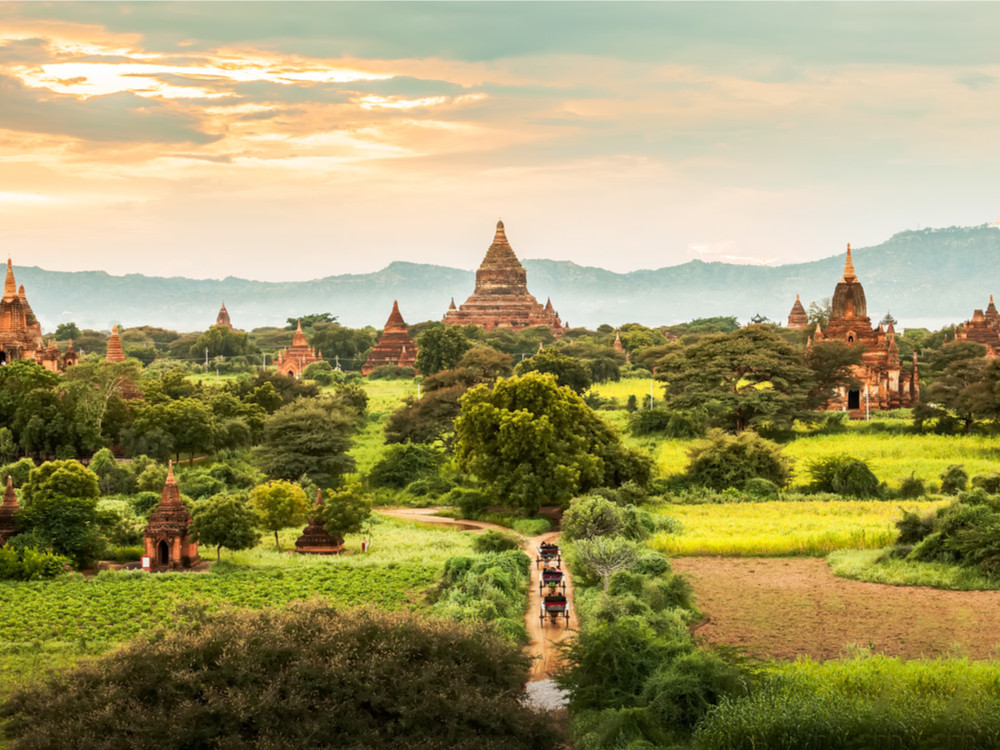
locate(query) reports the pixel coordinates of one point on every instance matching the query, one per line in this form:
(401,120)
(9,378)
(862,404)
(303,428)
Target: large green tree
(279,504)
(308,438)
(440,348)
(569,371)
(743,379)
(534,442)
(60,510)
(967,390)
(222,341)
(225,521)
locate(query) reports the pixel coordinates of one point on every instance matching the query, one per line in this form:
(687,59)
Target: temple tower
(798,319)
(295,359)
(222,319)
(115,352)
(168,544)
(394,346)
(8,513)
(501,296)
(315,539)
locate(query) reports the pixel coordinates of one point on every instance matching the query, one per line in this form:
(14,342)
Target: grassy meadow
(777,529)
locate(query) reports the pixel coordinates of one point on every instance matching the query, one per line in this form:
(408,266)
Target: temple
(21,333)
(394,347)
(222,319)
(501,297)
(169,546)
(8,513)
(315,539)
(798,320)
(295,359)
(884,383)
(983,328)
(115,352)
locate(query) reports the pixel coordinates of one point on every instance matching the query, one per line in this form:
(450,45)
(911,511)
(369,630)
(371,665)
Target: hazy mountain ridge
(927,277)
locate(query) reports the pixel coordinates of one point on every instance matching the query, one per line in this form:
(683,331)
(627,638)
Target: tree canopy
(534,442)
(308,438)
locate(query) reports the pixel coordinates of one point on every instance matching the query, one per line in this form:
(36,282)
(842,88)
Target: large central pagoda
(501,297)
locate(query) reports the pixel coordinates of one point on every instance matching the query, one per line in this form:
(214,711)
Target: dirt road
(545,638)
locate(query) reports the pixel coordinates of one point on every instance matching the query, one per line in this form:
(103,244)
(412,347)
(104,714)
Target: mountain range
(925,278)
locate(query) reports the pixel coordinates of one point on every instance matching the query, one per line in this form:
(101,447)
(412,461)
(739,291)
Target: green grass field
(776,529)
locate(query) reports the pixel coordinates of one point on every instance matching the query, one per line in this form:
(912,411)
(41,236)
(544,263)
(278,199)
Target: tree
(568,370)
(308,321)
(349,345)
(225,521)
(65,331)
(344,511)
(831,363)
(606,555)
(746,378)
(440,348)
(532,440)
(307,675)
(279,504)
(307,438)
(60,479)
(819,312)
(60,509)
(968,389)
(222,341)
(589,517)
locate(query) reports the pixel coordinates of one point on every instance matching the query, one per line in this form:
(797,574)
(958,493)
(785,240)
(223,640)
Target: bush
(488,588)
(152,478)
(144,502)
(676,424)
(843,475)
(682,690)
(912,487)
(954,479)
(913,528)
(762,488)
(589,517)
(18,471)
(532,526)
(199,483)
(402,463)
(469,502)
(495,541)
(310,676)
(391,372)
(987,482)
(729,461)
(29,563)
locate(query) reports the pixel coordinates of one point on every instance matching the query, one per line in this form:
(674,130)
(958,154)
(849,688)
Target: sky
(290,141)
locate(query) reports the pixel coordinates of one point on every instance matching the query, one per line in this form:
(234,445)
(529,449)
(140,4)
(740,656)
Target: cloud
(115,118)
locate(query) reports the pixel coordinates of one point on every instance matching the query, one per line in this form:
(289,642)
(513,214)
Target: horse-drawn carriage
(553,578)
(554,606)
(548,554)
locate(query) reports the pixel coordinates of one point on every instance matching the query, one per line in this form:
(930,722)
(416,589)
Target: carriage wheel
(541,620)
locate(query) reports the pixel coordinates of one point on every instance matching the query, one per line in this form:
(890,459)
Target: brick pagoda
(501,297)
(222,319)
(983,328)
(8,513)
(21,333)
(168,543)
(115,352)
(798,320)
(296,358)
(882,377)
(394,347)
(315,539)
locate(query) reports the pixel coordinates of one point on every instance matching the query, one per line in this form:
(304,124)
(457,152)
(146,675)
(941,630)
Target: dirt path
(782,608)
(543,647)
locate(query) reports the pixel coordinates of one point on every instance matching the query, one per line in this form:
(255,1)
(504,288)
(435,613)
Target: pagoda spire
(849,274)
(9,285)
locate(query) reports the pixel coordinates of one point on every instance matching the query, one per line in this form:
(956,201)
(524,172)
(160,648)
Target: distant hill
(930,277)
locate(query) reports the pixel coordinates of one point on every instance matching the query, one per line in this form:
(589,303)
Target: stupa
(394,347)
(983,328)
(798,320)
(115,352)
(8,513)
(501,297)
(315,539)
(169,546)
(296,358)
(20,331)
(222,319)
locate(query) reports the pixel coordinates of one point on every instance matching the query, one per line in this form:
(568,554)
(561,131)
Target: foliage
(495,541)
(225,521)
(279,504)
(344,511)
(19,471)
(531,440)
(667,423)
(843,475)
(307,438)
(606,555)
(569,371)
(70,526)
(589,517)
(872,702)
(488,588)
(60,479)
(291,679)
(762,488)
(440,348)
(912,487)
(402,463)
(743,379)
(221,341)
(29,564)
(728,461)
(913,527)
(954,479)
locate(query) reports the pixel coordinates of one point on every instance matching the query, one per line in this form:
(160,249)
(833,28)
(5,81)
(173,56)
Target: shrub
(495,541)
(912,487)
(843,475)
(532,526)
(469,502)
(954,479)
(18,471)
(682,690)
(152,478)
(913,528)
(675,424)
(391,372)
(762,488)
(589,517)
(144,502)
(728,461)
(309,676)
(988,482)
(402,463)
(29,563)
(199,483)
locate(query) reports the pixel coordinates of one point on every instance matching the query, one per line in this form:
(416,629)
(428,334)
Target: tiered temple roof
(8,513)
(501,297)
(983,328)
(797,318)
(20,331)
(295,359)
(394,347)
(222,319)
(315,539)
(168,544)
(115,351)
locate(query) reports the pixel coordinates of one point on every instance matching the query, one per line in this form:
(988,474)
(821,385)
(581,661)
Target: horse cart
(551,578)
(553,606)
(548,554)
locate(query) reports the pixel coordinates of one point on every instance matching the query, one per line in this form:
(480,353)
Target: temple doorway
(3,357)
(163,553)
(854,399)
